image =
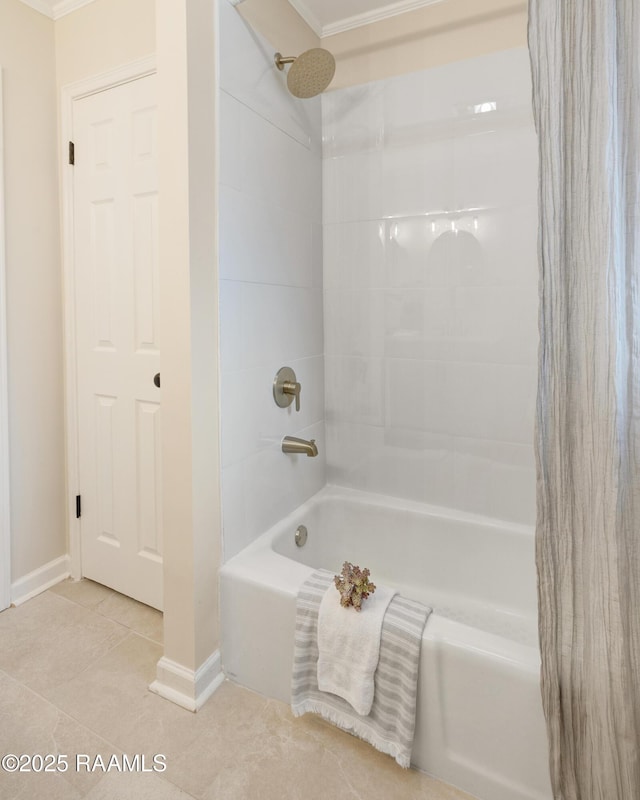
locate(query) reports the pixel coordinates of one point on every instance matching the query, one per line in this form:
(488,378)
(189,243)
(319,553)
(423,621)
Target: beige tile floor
(75,666)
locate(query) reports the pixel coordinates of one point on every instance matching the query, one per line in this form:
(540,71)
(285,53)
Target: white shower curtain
(586,76)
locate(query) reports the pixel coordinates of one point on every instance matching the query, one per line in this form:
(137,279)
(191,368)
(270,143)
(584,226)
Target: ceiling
(327,17)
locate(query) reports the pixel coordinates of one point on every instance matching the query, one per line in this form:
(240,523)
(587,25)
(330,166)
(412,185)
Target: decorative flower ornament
(354,585)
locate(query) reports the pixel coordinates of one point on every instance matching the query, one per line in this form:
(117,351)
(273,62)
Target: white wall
(431,334)
(270,287)
(187,246)
(38,500)
(102,35)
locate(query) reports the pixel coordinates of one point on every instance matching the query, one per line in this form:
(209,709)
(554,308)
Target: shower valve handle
(293,388)
(286,387)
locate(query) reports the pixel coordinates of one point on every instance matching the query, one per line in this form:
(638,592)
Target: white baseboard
(187,688)
(39,580)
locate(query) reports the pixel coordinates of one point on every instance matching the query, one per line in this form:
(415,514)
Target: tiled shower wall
(430,286)
(270,285)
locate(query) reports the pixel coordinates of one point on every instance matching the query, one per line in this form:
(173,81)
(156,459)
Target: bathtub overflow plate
(301,536)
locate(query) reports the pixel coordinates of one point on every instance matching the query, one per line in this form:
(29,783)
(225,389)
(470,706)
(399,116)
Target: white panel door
(118,352)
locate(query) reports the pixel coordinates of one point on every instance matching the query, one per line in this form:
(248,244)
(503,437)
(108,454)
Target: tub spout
(290,444)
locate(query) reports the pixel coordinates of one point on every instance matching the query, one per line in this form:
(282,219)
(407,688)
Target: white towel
(391,722)
(349,646)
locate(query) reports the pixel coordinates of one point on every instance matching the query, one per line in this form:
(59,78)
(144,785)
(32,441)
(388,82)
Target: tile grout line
(91,611)
(128,634)
(114,747)
(105,616)
(61,711)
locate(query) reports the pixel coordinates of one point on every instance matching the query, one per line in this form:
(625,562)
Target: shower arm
(281,60)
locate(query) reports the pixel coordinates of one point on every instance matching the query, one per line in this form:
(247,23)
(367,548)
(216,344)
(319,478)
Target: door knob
(156,379)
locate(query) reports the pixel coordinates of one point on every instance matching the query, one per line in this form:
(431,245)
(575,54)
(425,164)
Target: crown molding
(358,20)
(64,7)
(58,9)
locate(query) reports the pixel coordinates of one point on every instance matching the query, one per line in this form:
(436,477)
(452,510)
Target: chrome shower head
(310,73)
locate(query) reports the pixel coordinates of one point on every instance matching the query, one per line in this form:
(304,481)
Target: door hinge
(72,153)
(78,507)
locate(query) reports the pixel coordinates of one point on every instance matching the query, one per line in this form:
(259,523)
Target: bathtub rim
(261,565)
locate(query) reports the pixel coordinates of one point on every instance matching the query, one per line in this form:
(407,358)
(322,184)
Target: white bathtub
(479,719)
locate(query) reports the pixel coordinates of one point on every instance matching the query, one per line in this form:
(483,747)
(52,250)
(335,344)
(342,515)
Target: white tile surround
(417,337)
(430,286)
(270,285)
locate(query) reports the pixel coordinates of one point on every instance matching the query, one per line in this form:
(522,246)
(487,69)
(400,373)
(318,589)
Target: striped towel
(390,724)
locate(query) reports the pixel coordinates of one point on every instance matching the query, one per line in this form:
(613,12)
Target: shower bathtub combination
(479,722)
(381,244)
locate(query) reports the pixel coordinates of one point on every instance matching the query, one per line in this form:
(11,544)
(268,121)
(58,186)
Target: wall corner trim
(186,687)
(39,580)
